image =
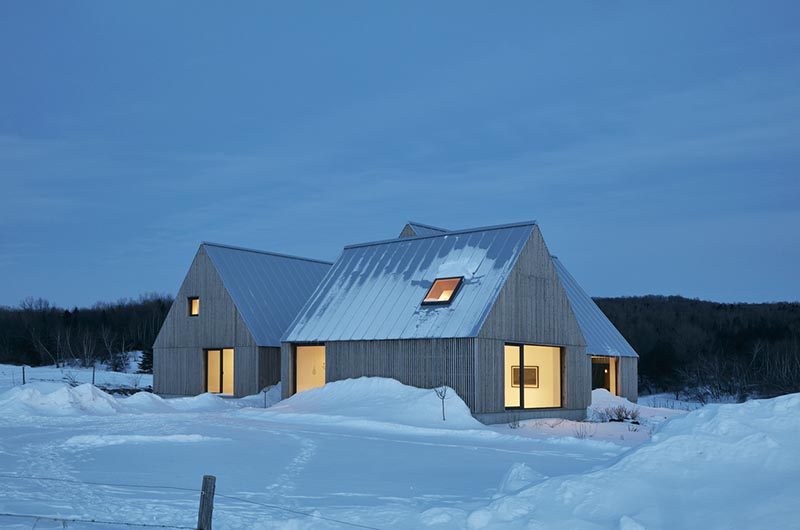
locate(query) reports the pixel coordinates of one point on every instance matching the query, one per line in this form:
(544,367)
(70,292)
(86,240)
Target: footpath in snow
(375,452)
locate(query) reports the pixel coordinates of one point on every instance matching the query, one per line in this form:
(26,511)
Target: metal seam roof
(374,290)
(600,335)
(267,288)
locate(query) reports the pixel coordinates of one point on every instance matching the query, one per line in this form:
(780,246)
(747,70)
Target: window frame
(189,300)
(562,370)
(452,297)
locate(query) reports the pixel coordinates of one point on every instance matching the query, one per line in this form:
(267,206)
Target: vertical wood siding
(629,378)
(532,308)
(178,358)
(287,369)
(269,366)
(423,363)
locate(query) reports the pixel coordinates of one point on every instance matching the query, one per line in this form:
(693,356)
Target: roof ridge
(449,233)
(423,225)
(267,252)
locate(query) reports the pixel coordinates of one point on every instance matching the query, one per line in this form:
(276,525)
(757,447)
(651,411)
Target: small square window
(443,290)
(194,306)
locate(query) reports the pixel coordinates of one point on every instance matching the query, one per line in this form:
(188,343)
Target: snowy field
(372,453)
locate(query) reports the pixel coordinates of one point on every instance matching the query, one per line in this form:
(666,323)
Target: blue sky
(658,144)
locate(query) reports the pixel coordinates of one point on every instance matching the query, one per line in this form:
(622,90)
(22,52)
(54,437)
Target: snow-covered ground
(11,375)
(376,453)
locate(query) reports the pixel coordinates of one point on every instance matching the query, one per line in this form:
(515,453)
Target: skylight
(443,290)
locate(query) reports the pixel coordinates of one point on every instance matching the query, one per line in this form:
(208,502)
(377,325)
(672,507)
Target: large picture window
(532,376)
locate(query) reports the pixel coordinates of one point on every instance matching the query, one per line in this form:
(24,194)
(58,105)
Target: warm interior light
(442,290)
(194,306)
(220,371)
(532,376)
(310,367)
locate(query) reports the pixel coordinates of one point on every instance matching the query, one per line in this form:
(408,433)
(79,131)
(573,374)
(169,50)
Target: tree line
(39,333)
(706,348)
(710,349)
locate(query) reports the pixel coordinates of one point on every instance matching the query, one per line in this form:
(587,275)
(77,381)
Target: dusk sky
(657,143)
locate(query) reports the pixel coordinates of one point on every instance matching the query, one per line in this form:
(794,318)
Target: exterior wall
(178,352)
(269,366)
(629,378)
(532,308)
(407,232)
(423,363)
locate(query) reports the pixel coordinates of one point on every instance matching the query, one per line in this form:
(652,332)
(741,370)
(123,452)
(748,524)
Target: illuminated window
(532,376)
(443,290)
(194,306)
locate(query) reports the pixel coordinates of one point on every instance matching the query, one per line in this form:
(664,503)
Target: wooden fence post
(93,368)
(23,374)
(206,502)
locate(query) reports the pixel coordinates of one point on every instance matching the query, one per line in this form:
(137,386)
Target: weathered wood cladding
(490,384)
(628,378)
(532,308)
(408,231)
(269,366)
(179,371)
(178,352)
(424,363)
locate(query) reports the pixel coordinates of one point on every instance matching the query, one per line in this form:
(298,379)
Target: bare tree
(88,344)
(441,393)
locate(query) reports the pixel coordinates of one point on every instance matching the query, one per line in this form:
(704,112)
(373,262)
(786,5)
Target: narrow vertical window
(442,291)
(194,306)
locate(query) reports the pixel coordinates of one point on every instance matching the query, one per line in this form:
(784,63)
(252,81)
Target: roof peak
(266,252)
(431,227)
(443,234)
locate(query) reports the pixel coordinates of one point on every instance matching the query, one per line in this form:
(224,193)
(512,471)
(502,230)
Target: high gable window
(194,306)
(443,290)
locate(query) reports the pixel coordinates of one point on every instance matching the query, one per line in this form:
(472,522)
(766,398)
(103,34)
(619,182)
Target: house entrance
(309,367)
(219,371)
(604,373)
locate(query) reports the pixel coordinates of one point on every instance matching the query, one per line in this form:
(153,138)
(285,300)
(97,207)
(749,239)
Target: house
(486,311)
(222,334)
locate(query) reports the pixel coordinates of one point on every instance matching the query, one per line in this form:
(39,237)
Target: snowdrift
(376,400)
(61,399)
(723,466)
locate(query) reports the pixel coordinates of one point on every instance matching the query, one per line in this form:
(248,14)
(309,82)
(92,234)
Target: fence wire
(277,507)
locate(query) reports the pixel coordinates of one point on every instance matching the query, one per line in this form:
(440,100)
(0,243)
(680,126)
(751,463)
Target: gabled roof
(601,337)
(267,288)
(412,229)
(374,290)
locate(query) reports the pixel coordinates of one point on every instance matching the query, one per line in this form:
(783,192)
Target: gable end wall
(532,308)
(178,352)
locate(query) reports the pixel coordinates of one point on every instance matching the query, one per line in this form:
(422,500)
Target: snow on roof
(267,288)
(419,229)
(374,291)
(601,337)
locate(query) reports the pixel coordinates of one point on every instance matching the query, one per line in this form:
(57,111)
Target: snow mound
(380,400)
(50,399)
(61,399)
(692,474)
(602,398)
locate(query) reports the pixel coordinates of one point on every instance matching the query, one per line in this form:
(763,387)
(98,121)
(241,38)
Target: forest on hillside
(710,349)
(707,349)
(39,333)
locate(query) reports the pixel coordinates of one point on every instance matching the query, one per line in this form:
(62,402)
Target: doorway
(604,373)
(309,367)
(219,371)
